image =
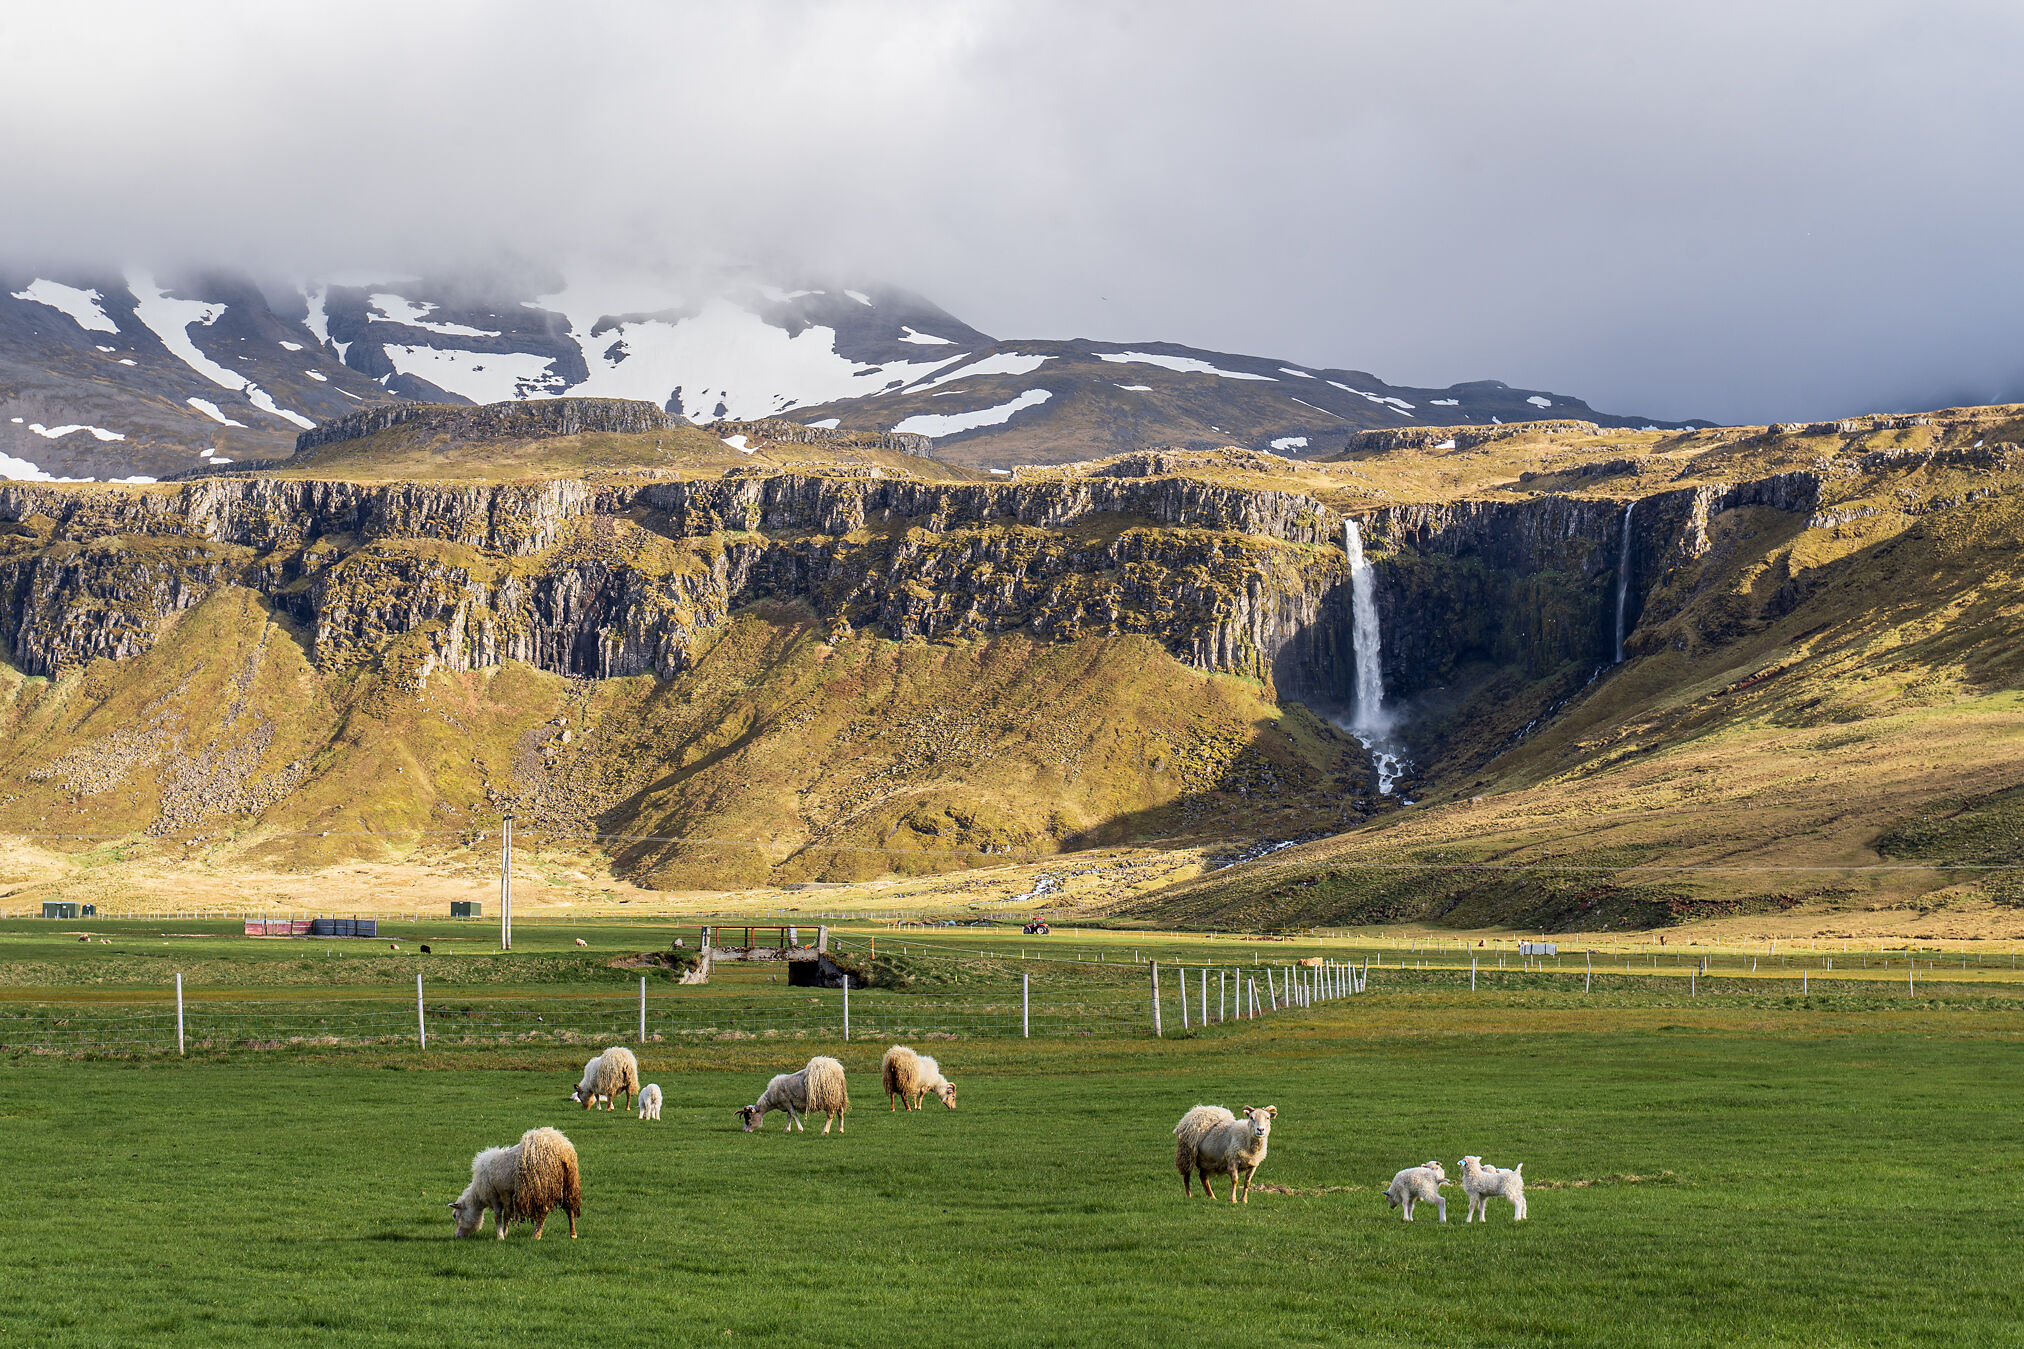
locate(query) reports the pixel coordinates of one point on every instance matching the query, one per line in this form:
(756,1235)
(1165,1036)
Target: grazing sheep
(818,1088)
(1419,1185)
(1214,1142)
(909,1077)
(1482,1181)
(650,1101)
(581,942)
(607,1077)
(528,1180)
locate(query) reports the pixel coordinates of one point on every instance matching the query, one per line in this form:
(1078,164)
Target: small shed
(466,908)
(1538,948)
(68,908)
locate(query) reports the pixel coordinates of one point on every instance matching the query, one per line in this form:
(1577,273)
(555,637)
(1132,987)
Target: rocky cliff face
(606,580)
(613,580)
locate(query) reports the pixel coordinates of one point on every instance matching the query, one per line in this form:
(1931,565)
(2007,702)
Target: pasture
(1729,1171)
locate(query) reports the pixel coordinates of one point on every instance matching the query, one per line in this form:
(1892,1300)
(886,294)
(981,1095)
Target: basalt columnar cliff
(881,664)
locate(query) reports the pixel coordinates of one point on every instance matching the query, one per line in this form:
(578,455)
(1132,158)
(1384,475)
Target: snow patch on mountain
(481,376)
(1536,401)
(58,432)
(937,425)
(1285,443)
(1186,365)
(83,306)
(1003,363)
(212,410)
(170,320)
(719,354)
(391,308)
(923,339)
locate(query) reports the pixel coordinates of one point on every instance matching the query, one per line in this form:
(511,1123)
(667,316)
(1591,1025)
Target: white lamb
(817,1089)
(1482,1182)
(607,1077)
(1214,1142)
(650,1101)
(1419,1185)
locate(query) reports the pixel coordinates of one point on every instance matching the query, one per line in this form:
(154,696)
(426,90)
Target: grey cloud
(1742,211)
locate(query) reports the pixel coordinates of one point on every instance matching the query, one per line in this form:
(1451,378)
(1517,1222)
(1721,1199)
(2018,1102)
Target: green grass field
(1732,1171)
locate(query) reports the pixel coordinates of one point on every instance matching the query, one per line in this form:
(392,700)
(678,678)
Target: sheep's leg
(572,1227)
(1247,1185)
(499,1222)
(539,1224)
(1208,1187)
(1408,1206)
(1442,1200)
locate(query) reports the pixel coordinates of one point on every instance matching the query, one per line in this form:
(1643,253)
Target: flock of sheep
(539,1174)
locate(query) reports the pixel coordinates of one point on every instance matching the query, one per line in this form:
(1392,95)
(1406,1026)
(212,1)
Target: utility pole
(506,884)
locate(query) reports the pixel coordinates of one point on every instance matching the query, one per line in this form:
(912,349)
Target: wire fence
(948,994)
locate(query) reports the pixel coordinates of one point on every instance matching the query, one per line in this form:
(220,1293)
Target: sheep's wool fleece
(545,1176)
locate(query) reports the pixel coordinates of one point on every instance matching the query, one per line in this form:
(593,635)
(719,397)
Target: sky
(1776,210)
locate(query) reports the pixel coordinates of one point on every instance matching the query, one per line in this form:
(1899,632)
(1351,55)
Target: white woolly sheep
(528,1180)
(817,1089)
(1419,1185)
(650,1101)
(1214,1142)
(1482,1182)
(909,1077)
(607,1077)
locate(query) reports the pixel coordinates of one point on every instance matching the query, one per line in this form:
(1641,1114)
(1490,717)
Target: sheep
(528,1180)
(1482,1181)
(581,942)
(1419,1185)
(909,1077)
(607,1077)
(650,1101)
(1214,1142)
(817,1088)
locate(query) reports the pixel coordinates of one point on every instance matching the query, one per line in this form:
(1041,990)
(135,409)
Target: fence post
(1271,991)
(846,1007)
(179,1013)
(1589,978)
(1155,969)
(1692,976)
(1472,974)
(421,1017)
(1026,1006)
(1205,996)
(1182,975)
(1802,983)
(643,1008)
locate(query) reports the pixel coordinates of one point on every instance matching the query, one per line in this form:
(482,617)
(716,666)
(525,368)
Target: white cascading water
(1369,722)
(1623,578)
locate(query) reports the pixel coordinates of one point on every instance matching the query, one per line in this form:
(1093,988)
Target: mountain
(113,375)
(1632,677)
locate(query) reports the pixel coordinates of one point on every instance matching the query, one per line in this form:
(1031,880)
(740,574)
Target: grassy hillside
(797,759)
(1819,698)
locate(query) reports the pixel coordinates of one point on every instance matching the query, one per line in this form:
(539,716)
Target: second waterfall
(1369,722)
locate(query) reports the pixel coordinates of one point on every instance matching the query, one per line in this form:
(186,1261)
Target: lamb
(650,1101)
(1419,1185)
(817,1088)
(909,1077)
(528,1180)
(607,1077)
(1214,1142)
(1481,1182)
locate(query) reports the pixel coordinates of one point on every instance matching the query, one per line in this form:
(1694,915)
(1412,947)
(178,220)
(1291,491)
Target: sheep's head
(1261,1119)
(751,1115)
(1467,1162)
(946,1094)
(1440,1172)
(469,1213)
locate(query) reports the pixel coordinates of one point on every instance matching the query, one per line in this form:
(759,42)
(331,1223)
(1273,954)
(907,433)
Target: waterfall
(1623,578)
(1369,722)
